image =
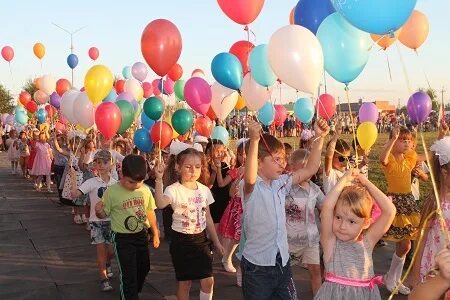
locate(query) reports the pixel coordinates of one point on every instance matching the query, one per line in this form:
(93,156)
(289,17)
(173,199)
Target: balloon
(418,107)
(155,86)
(161,45)
(21,118)
(126,72)
(125,96)
(368,112)
(119,85)
(415,31)
(142,140)
(134,87)
(66,107)
(55,100)
(83,110)
(182,120)
(292,16)
(242,49)
(266,114)
(8,53)
(147,88)
(62,86)
(139,71)
(127,115)
(211,114)
(227,70)
(179,89)
(39,50)
(198,73)
(166,86)
(60,127)
(108,119)
(98,83)
(326,106)
(203,126)
(280,114)
(367,134)
(41,115)
(50,110)
(345,48)
(197,94)
(259,65)
(295,56)
(310,13)
(31,107)
(93,53)
(220,133)
(154,108)
(223,100)
(111,97)
(24,97)
(10,120)
(384,41)
(161,132)
(242,12)
(40,97)
(72,61)
(380,17)
(304,110)
(47,84)
(255,95)
(175,72)
(240,104)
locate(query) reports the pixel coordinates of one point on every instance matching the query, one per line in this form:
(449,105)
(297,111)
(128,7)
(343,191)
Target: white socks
(393,276)
(205,296)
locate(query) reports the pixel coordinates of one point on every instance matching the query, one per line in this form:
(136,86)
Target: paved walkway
(44,255)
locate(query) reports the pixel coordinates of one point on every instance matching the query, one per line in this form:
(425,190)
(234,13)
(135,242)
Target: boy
(131,206)
(266,272)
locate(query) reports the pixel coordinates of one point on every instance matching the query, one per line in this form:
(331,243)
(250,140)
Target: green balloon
(179,89)
(182,120)
(153,108)
(127,112)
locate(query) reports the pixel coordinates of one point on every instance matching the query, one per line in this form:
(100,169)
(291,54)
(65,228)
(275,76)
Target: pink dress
(42,164)
(230,223)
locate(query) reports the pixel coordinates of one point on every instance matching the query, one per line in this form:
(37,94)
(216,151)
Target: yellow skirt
(406,221)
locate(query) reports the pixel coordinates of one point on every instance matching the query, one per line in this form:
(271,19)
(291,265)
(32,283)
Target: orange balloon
(384,41)
(415,31)
(240,104)
(291,16)
(36,82)
(39,50)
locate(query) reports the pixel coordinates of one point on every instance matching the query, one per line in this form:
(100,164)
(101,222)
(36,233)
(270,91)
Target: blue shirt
(264,222)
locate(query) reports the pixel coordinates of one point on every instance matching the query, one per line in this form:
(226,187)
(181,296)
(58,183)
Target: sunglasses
(343,158)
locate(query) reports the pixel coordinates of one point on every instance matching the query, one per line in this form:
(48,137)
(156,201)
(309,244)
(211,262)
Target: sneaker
(84,219)
(105,286)
(109,271)
(77,220)
(49,190)
(381,243)
(228,266)
(391,285)
(88,226)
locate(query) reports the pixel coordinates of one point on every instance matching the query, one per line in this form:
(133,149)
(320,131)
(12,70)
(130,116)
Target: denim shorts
(100,232)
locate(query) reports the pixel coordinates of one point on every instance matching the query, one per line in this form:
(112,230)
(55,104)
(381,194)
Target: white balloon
(296,57)
(254,94)
(66,107)
(83,110)
(47,84)
(223,100)
(133,86)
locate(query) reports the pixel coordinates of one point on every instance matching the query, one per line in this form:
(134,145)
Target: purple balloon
(368,112)
(4,117)
(139,71)
(10,120)
(197,94)
(55,100)
(125,96)
(419,107)
(135,104)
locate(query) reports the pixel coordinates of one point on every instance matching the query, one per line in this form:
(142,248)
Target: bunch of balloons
(367,132)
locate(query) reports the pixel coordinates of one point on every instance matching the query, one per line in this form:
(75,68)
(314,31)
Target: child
(42,165)
(398,161)
(190,248)
(130,205)
(419,173)
(100,228)
(24,151)
(348,238)
(13,151)
(302,231)
(266,272)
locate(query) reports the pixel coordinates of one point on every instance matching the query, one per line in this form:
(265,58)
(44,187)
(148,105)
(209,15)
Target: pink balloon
(155,84)
(40,97)
(254,94)
(93,53)
(148,89)
(168,86)
(60,127)
(125,96)
(280,114)
(139,71)
(7,53)
(197,94)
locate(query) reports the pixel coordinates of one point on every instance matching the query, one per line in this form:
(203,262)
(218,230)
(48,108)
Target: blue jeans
(267,282)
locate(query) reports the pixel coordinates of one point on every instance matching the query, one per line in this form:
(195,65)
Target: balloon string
(161,120)
(325,80)
(376,42)
(408,84)
(351,119)
(246,28)
(388,65)
(423,69)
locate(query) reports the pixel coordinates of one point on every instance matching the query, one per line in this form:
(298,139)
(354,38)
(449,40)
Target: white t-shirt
(189,207)
(415,182)
(330,181)
(96,187)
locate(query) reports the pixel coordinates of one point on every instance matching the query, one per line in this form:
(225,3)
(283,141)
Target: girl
(32,145)
(190,248)
(42,164)
(24,151)
(348,238)
(13,151)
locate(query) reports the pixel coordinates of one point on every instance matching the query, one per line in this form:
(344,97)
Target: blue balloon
(146,121)
(311,13)
(259,66)
(266,114)
(345,48)
(227,70)
(220,133)
(376,16)
(142,140)
(111,96)
(72,61)
(304,110)
(19,109)
(21,118)
(41,115)
(126,72)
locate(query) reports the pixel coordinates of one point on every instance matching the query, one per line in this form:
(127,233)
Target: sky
(115,29)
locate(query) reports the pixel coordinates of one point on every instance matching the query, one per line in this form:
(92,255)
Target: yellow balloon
(98,82)
(367,135)
(39,50)
(240,104)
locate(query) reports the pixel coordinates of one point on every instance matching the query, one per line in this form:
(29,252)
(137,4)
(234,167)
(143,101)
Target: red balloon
(93,53)
(31,107)
(326,106)
(7,53)
(203,126)
(62,86)
(50,110)
(161,136)
(280,114)
(211,114)
(119,86)
(242,49)
(148,89)
(161,45)
(175,72)
(155,85)
(24,97)
(108,118)
(241,11)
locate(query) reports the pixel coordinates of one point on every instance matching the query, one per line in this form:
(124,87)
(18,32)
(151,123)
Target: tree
(6,98)
(433,96)
(30,87)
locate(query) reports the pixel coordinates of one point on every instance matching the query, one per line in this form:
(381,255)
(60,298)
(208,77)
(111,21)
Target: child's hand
(159,169)
(156,241)
(254,130)
(443,128)
(321,128)
(349,176)
(219,248)
(443,263)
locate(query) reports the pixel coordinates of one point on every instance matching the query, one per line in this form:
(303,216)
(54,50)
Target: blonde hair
(299,155)
(358,200)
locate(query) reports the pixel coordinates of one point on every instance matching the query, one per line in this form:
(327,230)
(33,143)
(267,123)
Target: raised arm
(251,164)
(384,155)
(161,200)
(330,149)
(220,180)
